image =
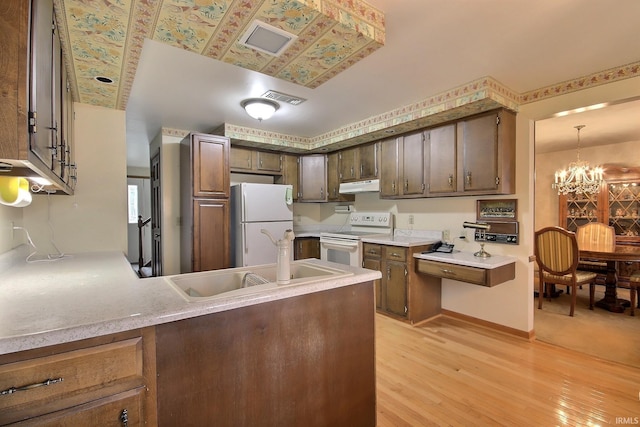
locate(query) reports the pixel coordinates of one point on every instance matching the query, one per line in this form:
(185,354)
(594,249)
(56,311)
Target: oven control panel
(372,219)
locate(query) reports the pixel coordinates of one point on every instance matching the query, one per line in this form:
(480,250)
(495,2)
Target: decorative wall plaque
(497,210)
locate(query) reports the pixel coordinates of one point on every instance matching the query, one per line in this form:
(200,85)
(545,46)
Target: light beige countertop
(405,241)
(93,294)
(406,238)
(468,259)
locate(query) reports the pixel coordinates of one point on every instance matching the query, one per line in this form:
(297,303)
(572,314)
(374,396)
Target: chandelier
(578,177)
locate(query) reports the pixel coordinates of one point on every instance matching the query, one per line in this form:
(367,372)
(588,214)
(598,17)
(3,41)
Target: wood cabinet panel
(348,168)
(486,154)
(32,107)
(441,160)
(289,173)
(247,160)
(402,172)
(369,160)
(306,247)
(477,276)
(333,180)
(359,163)
(291,362)
(395,287)
(204,199)
(402,293)
(413,177)
(268,162)
(122,409)
(389,167)
(99,378)
(241,158)
(372,259)
(210,165)
(211,223)
(312,183)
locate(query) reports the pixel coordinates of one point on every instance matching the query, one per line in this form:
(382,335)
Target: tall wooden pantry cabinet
(204,200)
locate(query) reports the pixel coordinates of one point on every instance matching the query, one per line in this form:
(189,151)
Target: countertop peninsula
(94,294)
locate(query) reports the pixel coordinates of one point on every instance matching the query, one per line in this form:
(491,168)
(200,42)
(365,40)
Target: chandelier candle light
(578,177)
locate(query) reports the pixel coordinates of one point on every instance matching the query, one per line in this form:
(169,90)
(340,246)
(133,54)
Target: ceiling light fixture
(578,177)
(260,108)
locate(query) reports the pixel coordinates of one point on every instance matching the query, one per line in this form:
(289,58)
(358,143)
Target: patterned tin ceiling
(105,38)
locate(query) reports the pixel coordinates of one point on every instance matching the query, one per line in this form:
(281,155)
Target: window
(132,192)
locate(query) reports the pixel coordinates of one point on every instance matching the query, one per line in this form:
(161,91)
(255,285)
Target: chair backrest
(596,236)
(556,250)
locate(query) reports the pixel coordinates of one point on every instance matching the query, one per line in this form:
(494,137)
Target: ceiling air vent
(266,38)
(283,97)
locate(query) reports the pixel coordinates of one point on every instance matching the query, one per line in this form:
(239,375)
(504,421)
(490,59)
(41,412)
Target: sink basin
(207,285)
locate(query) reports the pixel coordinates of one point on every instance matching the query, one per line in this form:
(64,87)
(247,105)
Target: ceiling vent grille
(266,38)
(283,97)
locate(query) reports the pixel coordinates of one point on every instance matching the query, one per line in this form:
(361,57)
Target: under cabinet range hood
(368,186)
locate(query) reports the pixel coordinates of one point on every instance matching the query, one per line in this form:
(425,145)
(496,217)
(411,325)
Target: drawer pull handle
(446,271)
(46,382)
(124,418)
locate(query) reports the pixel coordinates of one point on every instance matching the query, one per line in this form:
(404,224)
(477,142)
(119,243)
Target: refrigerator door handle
(244,238)
(244,206)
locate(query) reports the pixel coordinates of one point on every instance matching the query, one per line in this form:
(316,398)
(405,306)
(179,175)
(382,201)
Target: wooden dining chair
(557,255)
(595,236)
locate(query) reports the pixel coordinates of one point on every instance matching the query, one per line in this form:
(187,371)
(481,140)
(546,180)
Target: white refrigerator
(255,207)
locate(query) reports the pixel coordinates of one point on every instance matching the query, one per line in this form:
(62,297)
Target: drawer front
(452,271)
(395,253)
(113,411)
(371,250)
(69,374)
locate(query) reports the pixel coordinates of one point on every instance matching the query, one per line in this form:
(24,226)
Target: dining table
(621,253)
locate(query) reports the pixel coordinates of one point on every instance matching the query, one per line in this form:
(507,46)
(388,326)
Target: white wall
(170,187)
(9,217)
(95,217)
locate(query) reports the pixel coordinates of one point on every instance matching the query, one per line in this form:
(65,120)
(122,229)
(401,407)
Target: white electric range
(345,247)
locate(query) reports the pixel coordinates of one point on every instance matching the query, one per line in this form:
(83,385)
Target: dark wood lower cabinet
(306,247)
(302,361)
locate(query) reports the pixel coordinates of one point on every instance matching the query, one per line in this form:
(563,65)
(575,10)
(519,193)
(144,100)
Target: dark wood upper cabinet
(389,167)
(36,108)
(358,163)
(312,182)
(441,160)
(333,180)
(247,160)
(402,172)
(486,153)
(208,160)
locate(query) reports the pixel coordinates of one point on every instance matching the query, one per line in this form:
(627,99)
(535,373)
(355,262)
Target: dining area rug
(597,332)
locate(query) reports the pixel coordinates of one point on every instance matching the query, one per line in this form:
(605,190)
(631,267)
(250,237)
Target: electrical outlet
(410,219)
(463,234)
(446,235)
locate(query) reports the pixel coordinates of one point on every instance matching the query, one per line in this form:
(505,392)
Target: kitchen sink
(207,285)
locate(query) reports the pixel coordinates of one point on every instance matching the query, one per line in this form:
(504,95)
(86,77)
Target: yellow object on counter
(14,191)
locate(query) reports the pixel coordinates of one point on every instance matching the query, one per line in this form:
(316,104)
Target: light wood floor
(452,373)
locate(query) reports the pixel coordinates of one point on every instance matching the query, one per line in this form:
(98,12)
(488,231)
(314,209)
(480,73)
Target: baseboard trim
(530,336)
